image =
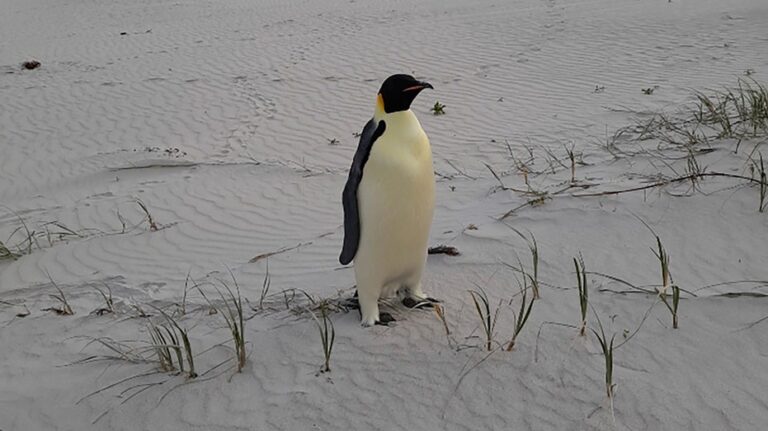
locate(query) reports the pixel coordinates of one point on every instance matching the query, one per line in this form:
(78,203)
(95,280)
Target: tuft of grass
(327,335)
(533,247)
(6,253)
(29,238)
(179,333)
(265,286)
(440,312)
(666,279)
(438,109)
(163,342)
(715,111)
(606,346)
(288,299)
(572,158)
(151,221)
(108,302)
(763,183)
(675,304)
(737,112)
(581,279)
(663,258)
(522,316)
(64,309)
(232,311)
(487,318)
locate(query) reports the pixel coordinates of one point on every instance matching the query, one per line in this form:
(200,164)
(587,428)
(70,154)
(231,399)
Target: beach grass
(232,312)
(327,335)
(63,309)
(487,317)
(106,295)
(521,317)
(606,346)
(581,281)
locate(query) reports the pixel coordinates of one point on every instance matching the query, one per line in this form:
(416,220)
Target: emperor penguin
(388,200)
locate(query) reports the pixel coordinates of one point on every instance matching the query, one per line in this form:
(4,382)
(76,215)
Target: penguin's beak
(419,86)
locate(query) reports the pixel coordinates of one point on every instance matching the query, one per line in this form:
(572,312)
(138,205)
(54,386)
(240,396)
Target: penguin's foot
(385,319)
(419,303)
(352,303)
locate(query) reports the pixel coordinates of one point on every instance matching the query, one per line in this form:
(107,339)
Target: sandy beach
(165,152)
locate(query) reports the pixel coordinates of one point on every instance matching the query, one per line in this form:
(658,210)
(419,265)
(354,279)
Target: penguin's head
(398,91)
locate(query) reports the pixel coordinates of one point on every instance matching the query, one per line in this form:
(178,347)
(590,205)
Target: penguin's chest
(396,197)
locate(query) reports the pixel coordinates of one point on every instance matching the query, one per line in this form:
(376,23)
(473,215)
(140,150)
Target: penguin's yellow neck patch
(379,112)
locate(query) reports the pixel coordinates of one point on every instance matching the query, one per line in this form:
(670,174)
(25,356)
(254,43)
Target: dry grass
(327,335)
(153,227)
(108,301)
(63,309)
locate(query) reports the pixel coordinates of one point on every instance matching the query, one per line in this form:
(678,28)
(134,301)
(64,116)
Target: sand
(234,122)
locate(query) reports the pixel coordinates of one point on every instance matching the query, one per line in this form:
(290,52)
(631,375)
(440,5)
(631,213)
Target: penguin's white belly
(396,201)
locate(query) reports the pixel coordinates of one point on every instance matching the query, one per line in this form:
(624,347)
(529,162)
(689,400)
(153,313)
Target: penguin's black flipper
(371,132)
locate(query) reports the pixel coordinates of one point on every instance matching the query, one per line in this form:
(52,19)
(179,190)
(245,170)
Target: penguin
(388,201)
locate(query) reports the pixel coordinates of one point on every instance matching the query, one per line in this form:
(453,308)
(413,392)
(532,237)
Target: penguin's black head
(398,91)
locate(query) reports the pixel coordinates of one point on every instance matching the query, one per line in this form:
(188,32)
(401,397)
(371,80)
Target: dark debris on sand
(444,249)
(31,64)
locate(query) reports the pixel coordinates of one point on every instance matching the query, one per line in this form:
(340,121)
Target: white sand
(251,93)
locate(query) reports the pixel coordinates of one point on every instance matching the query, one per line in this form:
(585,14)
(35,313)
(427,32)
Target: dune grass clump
(108,301)
(521,317)
(667,284)
(663,258)
(741,111)
(234,317)
(327,335)
(265,286)
(606,346)
(177,341)
(533,247)
(163,342)
(674,305)
(232,312)
(63,309)
(24,246)
(581,280)
(487,318)
(572,158)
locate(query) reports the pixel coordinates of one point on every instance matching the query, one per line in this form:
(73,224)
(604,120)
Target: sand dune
(234,124)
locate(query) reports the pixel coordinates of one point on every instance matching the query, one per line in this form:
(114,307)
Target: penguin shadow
(385,318)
